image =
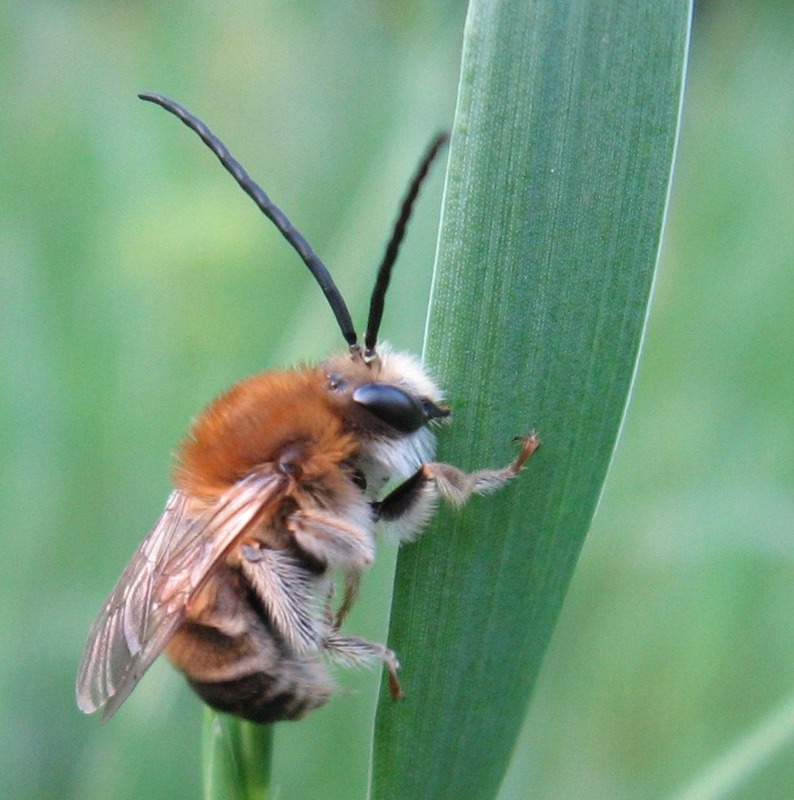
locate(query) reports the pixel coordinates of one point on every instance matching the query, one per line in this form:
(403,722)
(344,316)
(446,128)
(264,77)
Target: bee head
(390,395)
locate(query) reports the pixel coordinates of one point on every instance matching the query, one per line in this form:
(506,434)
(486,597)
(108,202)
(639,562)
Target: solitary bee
(279,486)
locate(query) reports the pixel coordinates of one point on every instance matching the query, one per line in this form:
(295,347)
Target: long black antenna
(393,248)
(268,208)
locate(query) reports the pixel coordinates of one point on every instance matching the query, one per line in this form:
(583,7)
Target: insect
(279,485)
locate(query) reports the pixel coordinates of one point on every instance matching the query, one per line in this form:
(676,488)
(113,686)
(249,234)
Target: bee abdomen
(264,698)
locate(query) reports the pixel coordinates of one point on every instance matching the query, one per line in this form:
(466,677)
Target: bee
(279,486)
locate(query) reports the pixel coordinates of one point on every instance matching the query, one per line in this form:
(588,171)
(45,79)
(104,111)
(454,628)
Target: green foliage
(137,282)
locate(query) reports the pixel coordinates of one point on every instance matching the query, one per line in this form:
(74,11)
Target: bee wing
(148,603)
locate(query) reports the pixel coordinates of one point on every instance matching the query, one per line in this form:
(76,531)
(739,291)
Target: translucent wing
(149,601)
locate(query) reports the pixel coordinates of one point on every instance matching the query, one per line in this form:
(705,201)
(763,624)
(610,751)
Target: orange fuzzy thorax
(253,422)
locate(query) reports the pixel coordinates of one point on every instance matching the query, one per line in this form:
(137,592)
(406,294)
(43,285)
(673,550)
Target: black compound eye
(393,406)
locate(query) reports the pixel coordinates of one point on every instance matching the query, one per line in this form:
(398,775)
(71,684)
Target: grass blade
(735,767)
(237,757)
(559,173)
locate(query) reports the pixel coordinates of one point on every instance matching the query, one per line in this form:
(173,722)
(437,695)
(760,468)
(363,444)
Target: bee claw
(395,690)
(529,444)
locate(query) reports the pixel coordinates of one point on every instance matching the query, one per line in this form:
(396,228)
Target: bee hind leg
(286,595)
(355,651)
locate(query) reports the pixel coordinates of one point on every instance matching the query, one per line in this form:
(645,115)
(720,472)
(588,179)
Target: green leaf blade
(557,185)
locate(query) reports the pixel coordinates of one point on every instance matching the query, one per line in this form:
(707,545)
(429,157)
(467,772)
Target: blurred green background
(138,282)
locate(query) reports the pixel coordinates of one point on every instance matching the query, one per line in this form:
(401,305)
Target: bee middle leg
(334,619)
(336,542)
(331,539)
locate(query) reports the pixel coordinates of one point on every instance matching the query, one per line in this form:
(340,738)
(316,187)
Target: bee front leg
(409,507)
